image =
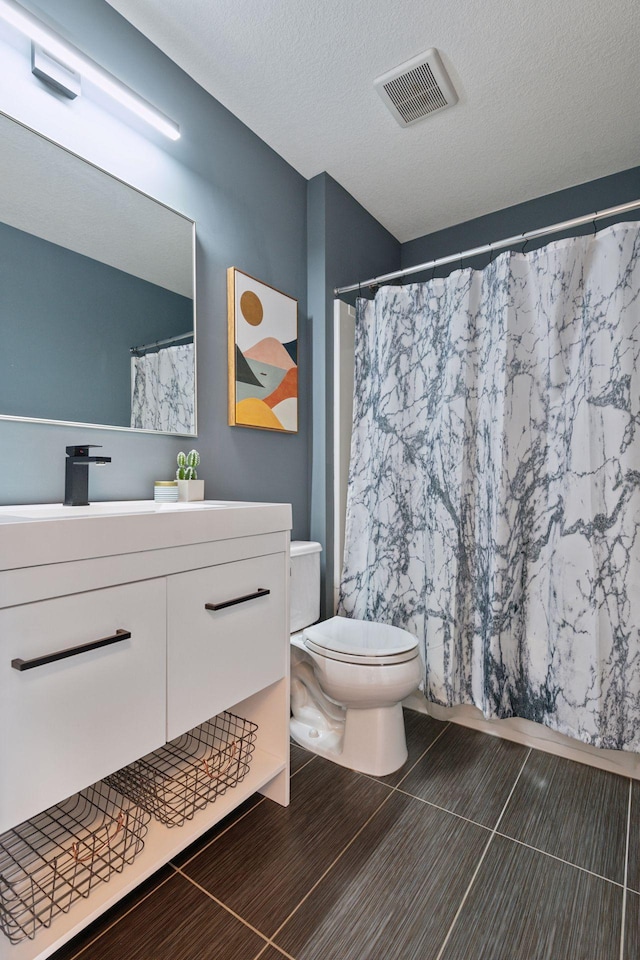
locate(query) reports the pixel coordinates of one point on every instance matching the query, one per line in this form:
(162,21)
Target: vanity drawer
(217,657)
(67,723)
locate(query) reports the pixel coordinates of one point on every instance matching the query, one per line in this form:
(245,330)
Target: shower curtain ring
(524,244)
(595,228)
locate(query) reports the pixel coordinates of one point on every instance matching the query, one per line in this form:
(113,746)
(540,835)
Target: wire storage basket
(57,857)
(188,773)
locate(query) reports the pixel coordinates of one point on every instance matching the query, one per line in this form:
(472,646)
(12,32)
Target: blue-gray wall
(511,221)
(73,320)
(250,211)
(344,242)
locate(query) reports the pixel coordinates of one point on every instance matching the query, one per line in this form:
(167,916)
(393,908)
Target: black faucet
(76,474)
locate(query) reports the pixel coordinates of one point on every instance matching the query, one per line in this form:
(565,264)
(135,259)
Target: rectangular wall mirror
(97,294)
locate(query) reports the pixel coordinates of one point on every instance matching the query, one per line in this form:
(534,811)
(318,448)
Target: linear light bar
(70,56)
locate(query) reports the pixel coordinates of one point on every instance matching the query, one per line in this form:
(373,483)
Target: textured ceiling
(549,93)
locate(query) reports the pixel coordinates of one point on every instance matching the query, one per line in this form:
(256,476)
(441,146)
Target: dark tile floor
(478,849)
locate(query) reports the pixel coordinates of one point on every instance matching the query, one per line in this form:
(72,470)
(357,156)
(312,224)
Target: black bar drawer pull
(71,652)
(260,592)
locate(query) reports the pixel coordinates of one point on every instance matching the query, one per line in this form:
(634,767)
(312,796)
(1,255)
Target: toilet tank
(304,596)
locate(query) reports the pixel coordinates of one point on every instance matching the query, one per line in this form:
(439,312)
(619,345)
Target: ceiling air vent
(417,88)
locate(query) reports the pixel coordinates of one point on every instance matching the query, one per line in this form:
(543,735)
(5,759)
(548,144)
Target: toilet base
(370,741)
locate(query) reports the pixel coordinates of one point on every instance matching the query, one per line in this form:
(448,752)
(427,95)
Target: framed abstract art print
(263,355)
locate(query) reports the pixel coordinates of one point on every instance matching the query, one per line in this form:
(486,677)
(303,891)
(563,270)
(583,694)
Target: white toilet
(348,678)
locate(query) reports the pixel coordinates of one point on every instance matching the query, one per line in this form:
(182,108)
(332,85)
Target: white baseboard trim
(531,735)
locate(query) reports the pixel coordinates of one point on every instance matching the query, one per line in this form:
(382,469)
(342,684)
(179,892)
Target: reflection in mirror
(96,294)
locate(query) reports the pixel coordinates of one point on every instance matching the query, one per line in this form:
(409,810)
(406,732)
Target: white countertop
(35,534)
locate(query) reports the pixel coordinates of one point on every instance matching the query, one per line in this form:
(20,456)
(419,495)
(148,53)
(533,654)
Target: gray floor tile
(177,922)
(190,852)
(421,731)
(272,953)
(299,756)
(633,877)
(573,811)
(111,916)
(632,928)
(467,772)
(394,893)
(526,906)
(265,865)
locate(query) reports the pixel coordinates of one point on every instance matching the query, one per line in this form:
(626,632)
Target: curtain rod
(161,343)
(496,245)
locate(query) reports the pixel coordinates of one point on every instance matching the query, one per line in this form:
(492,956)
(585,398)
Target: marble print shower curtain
(494,492)
(163,390)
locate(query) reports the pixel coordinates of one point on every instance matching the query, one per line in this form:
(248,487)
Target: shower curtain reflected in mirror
(494,490)
(163,390)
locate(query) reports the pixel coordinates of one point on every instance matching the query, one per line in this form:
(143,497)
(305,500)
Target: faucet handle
(82,451)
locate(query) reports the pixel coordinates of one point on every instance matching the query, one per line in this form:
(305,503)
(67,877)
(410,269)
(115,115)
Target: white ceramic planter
(190,490)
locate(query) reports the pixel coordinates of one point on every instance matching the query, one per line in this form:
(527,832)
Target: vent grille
(417,88)
(415,94)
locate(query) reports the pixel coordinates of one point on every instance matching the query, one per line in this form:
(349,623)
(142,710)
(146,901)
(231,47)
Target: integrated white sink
(49,533)
(109,508)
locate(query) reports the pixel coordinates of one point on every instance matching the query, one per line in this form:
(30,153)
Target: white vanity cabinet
(233,644)
(71,721)
(122,630)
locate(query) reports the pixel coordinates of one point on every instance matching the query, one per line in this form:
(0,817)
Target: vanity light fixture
(69,56)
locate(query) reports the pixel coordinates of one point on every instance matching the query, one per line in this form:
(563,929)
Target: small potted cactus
(189,487)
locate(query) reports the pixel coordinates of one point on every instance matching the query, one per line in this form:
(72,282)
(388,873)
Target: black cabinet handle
(71,652)
(260,592)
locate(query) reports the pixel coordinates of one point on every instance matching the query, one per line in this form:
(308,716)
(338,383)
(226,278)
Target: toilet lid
(359,641)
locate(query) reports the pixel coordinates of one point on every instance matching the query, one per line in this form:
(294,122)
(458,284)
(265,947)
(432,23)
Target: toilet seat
(360,642)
